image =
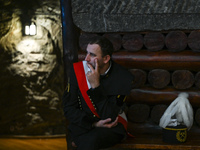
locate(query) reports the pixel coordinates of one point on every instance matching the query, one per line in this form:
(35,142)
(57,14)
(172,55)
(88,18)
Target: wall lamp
(30,29)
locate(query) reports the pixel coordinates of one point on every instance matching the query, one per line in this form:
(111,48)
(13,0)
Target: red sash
(82,83)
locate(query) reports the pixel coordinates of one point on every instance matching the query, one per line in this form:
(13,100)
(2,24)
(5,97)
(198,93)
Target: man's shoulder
(121,71)
(119,80)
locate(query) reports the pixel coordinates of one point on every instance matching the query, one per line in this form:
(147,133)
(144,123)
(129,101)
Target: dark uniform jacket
(107,99)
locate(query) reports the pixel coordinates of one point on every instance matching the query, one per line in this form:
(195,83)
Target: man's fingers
(96,65)
(106,123)
(112,124)
(91,68)
(116,120)
(106,120)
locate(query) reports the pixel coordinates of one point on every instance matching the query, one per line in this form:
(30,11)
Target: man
(93,102)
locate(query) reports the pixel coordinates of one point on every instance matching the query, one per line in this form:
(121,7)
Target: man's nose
(87,58)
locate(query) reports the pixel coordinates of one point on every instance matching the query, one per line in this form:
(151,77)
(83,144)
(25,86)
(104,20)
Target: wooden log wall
(174,41)
(163,63)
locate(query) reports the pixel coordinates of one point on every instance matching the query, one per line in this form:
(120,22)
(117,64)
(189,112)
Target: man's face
(94,52)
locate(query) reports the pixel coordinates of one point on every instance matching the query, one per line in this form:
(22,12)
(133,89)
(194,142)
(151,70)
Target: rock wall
(31,73)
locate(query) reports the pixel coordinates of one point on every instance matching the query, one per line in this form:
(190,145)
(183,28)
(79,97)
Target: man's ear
(106,59)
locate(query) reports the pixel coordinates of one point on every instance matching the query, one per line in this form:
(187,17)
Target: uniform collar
(107,71)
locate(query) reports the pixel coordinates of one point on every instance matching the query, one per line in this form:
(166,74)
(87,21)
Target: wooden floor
(58,143)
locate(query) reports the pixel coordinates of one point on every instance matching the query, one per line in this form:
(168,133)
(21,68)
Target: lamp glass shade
(27,30)
(32,29)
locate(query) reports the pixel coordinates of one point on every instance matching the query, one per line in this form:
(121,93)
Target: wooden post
(70,47)
(70,35)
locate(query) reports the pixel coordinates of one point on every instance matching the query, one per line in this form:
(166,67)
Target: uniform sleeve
(71,107)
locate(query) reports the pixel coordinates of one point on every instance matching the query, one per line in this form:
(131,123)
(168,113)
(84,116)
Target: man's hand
(93,75)
(106,123)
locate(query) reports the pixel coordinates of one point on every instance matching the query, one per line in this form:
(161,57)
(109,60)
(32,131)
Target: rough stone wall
(31,73)
(135,15)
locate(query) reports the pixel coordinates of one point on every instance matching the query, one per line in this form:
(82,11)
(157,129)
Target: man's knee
(86,142)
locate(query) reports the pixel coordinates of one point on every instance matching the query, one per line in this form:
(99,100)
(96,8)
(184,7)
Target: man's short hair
(104,43)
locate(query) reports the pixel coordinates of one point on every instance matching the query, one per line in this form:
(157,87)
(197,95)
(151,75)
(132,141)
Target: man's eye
(93,55)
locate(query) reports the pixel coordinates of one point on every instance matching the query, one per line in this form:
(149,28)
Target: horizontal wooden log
(159,78)
(116,40)
(154,41)
(182,79)
(137,129)
(140,77)
(138,113)
(197,80)
(157,112)
(176,41)
(194,40)
(152,96)
(197,116)
(132,42)
(145,60)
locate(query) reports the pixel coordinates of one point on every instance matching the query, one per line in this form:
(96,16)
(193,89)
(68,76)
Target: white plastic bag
(181,109)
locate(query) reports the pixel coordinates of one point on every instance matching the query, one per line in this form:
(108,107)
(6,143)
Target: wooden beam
(146,60)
